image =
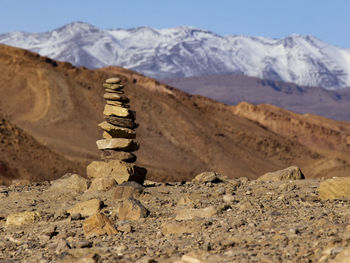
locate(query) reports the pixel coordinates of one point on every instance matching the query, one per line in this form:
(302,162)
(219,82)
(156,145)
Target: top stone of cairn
(113,81)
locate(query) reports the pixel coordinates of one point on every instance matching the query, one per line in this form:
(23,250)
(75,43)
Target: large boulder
(335,188)
(72,183)
(290,173)
(120,171)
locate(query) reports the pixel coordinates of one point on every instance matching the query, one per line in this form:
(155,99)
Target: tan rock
(132,209)
(81,255)
(169,228)
(336,188)
(120,144)
(116,91)
(118,111)
(69,183)
(23,218)
(102,183)
(128,157)
(86,208)
(128,190)
(120,171)
(290,173)
(115,97)
(206,177)
(121,122)
(113,80)
(117,103)
(113,86)
(343,256)
(106,135)
(117,132)
(189,213)
(98,225)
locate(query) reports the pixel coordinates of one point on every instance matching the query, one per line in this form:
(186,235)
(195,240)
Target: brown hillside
(180,134)
(22,157)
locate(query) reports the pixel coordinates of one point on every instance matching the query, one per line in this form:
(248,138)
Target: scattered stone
(97,225)
(70,183)
(119,144)
(228,198)
(117,132)
(23,218)
(86,208)
(128,190)
(336,188)
(343,256)
(132,209)
(189,213)
(81,255)
(290,173)
(102,183)
(169,228)
(208,177)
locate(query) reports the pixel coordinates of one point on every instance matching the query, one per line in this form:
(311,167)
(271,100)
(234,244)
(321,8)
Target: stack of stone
(118,141)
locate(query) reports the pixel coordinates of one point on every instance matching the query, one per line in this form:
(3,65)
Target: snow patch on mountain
(187,51)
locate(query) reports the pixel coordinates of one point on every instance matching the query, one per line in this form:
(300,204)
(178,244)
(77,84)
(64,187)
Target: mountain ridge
(187,51)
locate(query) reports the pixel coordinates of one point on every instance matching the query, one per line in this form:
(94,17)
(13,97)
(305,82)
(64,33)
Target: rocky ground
(210,219)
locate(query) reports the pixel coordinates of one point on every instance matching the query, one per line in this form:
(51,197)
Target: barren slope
(180,134)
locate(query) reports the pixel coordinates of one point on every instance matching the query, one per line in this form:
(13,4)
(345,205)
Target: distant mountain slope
(22,157)
(233,89)
(180,134)
(185,51)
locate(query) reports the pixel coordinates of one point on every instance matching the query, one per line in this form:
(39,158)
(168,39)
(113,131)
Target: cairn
(118,143)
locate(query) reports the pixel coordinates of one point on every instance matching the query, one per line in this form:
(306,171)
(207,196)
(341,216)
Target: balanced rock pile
(118,143)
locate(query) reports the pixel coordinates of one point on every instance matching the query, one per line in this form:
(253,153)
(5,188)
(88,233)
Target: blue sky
(328,20)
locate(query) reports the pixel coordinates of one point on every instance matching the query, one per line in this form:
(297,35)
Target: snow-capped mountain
(186,51)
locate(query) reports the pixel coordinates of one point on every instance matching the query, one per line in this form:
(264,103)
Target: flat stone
(117,132)
(121,122)
(102,183)
(117,103)
(111,110)
(115,97)
(113,81)
(128,190)
(116,91)
(335,188)
(21,219)
(118,155)
(119,144)
(86,208)
(290,173)
(120,171)
(113,86)
(169,228)
(132,209)
(189,213)
(70,183)
(98,225)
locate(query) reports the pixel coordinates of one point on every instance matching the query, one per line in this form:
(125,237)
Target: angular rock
(188,213)
(128,190)
(23,218)
(98,225)
(102,183)
(206,177)
(86,208)
(118,155)
(113,80)
(290,173)
(119,144)
(117,132)
(132,209)
(115,97)
(118,111)
(81,255)
(70,183)
(335,188)
(120,171)
(121,122)
(106,135)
